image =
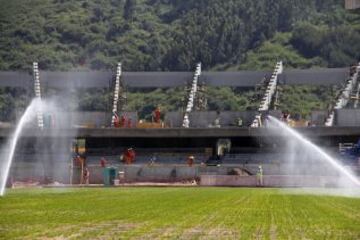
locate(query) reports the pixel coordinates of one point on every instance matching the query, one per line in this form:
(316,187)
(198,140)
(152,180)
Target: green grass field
(176,213)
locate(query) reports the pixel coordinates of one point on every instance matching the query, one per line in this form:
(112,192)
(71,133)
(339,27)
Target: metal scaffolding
(192,96)
(270,94)
(343,99)
(118,93)
(37,89)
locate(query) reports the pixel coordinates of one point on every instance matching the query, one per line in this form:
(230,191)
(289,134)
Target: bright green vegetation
(175,34)
(303,99)
(176,213)
(231,99)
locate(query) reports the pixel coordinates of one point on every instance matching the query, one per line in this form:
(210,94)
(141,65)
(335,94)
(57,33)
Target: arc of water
(327,157)
(27,116)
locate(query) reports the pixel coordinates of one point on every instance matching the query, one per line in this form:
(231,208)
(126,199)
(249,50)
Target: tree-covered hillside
(175,34)
(168,35)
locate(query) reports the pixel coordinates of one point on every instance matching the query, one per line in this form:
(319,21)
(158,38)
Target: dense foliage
(171,34)
(175,35)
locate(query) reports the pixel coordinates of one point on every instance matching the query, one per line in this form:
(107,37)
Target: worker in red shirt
(157,115)
(129,156)
(122,121)
(103,162)
(116,120)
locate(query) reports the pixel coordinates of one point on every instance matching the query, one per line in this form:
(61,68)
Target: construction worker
(122,121)
(186,123)
(190,161)
(285,117)
(129,156)
(259,176)
(157,115)
(239,122)
(86,175)
(217,120)
(116,120)
(103,162)
(353,69)
(152,160)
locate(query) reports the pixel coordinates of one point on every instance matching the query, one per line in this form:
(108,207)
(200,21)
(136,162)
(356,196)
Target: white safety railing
(270,92)
(37,89)
(116,93)
(344,97)
(192,95)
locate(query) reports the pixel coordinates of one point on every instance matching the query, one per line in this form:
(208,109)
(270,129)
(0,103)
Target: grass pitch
(176,213)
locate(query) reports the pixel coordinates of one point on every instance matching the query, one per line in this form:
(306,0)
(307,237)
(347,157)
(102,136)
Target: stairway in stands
(192,96)
(116,93)
(269,95)
(343,99)
(37,89)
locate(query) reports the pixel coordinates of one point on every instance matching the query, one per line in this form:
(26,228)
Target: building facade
(352,4)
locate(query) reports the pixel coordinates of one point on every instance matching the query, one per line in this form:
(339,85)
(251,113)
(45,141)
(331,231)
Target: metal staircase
(343,99)
(37,89)
(192,95)
(270,94)
(117,91)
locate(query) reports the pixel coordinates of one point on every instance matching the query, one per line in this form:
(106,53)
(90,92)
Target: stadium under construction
(220,143)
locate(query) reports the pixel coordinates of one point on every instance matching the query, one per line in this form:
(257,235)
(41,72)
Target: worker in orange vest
(122,121)
(190,161)
(129,156)
(103,162)
(157,115)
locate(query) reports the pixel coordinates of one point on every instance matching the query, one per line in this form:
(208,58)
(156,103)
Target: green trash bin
(109,176)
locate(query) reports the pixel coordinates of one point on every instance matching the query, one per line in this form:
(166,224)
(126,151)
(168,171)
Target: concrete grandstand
(185,132)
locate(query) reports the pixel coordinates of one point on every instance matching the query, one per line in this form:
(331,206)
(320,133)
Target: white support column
(269,95)
(116,93)
(344,97)
(37,89)
(192,95)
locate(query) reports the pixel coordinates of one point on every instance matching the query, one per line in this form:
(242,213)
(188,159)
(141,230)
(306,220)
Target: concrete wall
(159,173)
(352,4)
(202,119)
(328,76)
(347,117)
(269,181)
(90,119)
(98,79)
(174,119)
(318,117)
(274,174)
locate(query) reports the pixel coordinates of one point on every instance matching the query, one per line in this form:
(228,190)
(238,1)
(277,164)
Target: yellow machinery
(142,124)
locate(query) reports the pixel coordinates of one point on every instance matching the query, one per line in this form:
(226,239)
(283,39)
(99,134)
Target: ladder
(37,89)
(192,95)
(270,94)
(344,98)
(116,93)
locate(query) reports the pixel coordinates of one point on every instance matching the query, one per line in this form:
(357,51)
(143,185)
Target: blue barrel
(109,174)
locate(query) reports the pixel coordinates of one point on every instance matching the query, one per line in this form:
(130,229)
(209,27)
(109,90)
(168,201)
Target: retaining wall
(269,181)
